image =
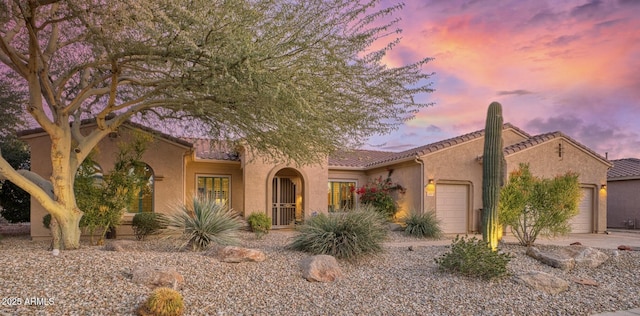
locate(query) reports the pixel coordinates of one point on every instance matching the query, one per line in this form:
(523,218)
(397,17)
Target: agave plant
(348,235)
(204,222)
(423,225)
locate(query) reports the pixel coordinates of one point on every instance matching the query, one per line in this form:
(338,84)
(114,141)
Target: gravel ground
(91,281)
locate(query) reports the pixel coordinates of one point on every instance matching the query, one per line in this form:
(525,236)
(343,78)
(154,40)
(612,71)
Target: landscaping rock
(585,256)
(232,254)
(543,282)
(556,260)
(568,257)
(585,281)
(628,248)
(121,245)
(395,227)
(158,277)
(320,268)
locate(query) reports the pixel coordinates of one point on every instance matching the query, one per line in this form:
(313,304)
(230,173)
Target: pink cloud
(577,60)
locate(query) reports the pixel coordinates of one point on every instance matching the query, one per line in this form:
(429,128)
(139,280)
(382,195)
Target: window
(341,195)
(215,188)
(144,202)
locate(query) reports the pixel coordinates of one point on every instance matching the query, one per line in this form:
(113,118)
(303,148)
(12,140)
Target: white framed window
(214,187)
(341,195)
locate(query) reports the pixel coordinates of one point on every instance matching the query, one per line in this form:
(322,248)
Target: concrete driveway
(604,241)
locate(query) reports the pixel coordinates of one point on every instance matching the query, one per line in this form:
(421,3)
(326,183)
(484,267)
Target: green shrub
(534,207)
(423,225)
(260,223)
(473,257)
(46,221)
(163,301)
(204,221)
(145,224)
(346,235)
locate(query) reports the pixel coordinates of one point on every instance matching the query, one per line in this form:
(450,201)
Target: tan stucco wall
(405,174)
(258,177)
(545,162)
(164,157)
(623,204)
(459,165)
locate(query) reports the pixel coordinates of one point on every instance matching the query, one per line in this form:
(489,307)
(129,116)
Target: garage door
(452,202)
(583,222)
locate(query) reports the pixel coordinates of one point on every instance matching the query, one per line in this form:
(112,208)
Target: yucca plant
(204,221)
(423,225)
(348,235)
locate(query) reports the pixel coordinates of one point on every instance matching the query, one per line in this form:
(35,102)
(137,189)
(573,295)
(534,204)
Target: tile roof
(215,150)
(628,168)
(86,122)
(542,138)
(356,157)
(373,158)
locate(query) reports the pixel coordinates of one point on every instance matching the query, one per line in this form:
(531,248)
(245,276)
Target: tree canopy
(289,79)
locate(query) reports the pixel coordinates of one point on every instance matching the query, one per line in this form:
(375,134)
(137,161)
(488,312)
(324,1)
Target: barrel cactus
(163,302)
(493,165)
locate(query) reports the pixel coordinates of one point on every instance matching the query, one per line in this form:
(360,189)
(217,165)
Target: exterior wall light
(430,188)
(603,188)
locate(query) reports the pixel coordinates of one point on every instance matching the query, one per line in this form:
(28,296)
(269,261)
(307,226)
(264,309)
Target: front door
(283,211)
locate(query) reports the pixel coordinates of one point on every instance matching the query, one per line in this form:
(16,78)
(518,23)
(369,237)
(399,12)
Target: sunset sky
(572,66)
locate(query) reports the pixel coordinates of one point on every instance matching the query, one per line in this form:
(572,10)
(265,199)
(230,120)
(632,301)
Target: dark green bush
(424,225)
(260,223)
(473,257)
(145,224)
(46,221)
(204,222)
(347,235)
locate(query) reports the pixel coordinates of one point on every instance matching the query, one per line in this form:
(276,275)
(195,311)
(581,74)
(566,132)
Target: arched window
(144,202)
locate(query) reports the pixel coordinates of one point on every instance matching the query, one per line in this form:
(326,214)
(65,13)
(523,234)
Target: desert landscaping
(403,280)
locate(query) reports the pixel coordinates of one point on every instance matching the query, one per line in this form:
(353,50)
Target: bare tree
(291,79)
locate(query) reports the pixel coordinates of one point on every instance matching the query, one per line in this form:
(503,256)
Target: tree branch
(28,181)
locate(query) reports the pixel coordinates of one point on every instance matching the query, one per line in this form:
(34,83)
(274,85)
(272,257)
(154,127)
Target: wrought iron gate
(283,211)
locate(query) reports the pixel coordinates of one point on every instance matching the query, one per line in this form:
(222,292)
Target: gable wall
(545,162)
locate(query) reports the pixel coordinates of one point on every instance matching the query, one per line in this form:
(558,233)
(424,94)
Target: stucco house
(444,177)
(623,194)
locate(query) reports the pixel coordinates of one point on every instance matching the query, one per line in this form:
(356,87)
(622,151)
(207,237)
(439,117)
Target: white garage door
(451,208)
(583,222)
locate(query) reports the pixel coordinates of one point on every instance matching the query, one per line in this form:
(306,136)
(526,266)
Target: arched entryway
(287,188)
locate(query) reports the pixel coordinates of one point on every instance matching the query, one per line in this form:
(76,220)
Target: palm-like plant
(204,222)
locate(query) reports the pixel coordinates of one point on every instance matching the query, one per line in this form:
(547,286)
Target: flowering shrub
(378,194)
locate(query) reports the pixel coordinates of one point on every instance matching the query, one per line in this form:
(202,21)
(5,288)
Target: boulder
(556,260)
(543,282)
(585,256)
(320,268)
(234,254)
(121,245)
(569,257)
(158,277)
(395,227)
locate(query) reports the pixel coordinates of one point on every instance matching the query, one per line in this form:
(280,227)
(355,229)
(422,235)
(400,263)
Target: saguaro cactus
(492,174)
